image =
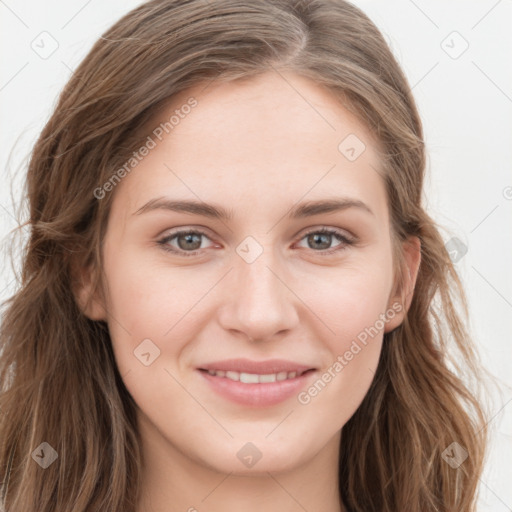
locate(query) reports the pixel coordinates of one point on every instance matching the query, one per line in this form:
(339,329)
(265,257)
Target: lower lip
(257,395)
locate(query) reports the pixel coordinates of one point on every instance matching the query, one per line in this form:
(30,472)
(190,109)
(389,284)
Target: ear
(401,297)
(87,297)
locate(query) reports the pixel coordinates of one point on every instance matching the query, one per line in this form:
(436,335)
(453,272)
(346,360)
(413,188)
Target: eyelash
(342,238)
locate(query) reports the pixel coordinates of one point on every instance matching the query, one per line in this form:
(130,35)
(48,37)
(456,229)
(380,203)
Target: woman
(179,341)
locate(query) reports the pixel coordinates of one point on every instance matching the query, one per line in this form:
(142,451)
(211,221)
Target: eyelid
(324,227)
(347,238)
(162,241)
(186,229)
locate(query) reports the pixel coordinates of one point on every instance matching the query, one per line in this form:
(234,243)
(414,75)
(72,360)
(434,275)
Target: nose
(260,302)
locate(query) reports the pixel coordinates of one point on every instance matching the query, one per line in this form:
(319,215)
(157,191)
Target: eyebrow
(213,211)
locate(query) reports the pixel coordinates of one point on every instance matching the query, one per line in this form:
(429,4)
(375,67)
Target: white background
(465,104)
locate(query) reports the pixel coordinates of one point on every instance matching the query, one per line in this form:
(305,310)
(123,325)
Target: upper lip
(256,367)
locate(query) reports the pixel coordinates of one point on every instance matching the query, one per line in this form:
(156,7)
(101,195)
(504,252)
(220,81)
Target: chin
(245,458)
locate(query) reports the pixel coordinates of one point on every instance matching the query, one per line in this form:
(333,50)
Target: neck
(172,481)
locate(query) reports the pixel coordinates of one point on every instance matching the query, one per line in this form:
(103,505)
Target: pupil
(314,238)
(189,240)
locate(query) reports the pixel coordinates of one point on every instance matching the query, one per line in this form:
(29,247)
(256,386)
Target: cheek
(149,313)
(353,307)
(349,302)
(151,298)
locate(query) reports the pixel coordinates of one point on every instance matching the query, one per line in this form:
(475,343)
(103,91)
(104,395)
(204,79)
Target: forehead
(276,137)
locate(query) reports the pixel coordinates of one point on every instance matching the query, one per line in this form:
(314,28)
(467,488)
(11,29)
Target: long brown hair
(59,381)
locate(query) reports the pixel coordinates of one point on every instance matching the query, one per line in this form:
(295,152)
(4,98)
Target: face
(284,279)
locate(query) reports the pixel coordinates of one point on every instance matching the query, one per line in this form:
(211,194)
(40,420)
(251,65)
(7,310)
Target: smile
(255,378)
(256,389)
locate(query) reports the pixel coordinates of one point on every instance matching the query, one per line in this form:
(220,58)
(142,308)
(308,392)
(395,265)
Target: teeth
(254,378)
(249,378)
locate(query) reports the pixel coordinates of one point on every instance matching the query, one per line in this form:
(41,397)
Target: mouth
(256,378)
(256,384)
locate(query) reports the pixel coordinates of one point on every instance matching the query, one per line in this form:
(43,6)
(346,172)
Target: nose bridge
(261,304)
(258,283)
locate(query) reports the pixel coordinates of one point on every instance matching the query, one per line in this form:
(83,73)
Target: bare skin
(258,149)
